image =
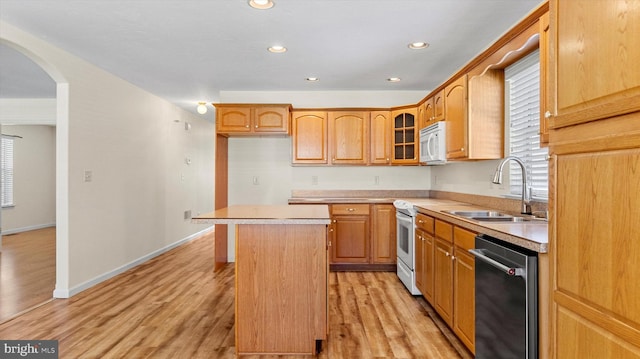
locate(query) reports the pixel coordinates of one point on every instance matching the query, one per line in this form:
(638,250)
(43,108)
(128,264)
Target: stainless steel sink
(489,216)
(469,214)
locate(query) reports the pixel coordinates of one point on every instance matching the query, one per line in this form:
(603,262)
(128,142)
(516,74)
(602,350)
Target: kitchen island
(281,276)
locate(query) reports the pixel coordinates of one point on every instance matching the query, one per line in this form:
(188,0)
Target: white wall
(472,177)
(34,179)
(135,145)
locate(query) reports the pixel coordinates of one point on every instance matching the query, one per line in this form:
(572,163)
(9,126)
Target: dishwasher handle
(512,271)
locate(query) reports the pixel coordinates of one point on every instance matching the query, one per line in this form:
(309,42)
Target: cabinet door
(349,137)
(309,142)
(456,117)
(595,56)
(464,297)
(233,119)
(271,119)
(429,269)
(405,137)
(429,113)
(380,152)
(384,234)
(596,249)
(545,102)
(422,120)
(351,239)
(419,264)
(438,106)
(443,291)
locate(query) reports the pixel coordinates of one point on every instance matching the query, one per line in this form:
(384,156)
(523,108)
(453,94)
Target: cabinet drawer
(425,223)
(350,209)
(464,238)
(444,231)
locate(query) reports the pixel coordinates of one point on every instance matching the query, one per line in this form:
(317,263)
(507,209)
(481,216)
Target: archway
(62,165)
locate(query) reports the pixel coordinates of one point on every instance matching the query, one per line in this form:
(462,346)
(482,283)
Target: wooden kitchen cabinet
(428,114)
(309,137)
(438,106)
(443,271)
(593,60)
(464,314)
(383,234)
(252,119)
(349,137)
(474,111)
(405,136)
(380,139)
(545,101)
(424,247)
(350,236)
(594,143)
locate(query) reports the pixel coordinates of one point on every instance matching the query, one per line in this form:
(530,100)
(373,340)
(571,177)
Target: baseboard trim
(27,228)
(68,293)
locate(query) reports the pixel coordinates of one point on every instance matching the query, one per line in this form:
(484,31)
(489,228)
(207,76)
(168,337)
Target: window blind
(6,175)
(523,121)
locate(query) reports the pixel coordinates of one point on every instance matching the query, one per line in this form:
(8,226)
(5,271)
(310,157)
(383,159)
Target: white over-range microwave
(433,141)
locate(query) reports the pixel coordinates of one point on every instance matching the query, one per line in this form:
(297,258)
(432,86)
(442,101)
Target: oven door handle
(512,271)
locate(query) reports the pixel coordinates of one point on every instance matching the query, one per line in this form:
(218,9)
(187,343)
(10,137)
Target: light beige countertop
(531,235)
(267,214)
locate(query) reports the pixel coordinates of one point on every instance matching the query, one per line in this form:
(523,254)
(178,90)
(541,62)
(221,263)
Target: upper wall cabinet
(380,139)
(250,119)
(405,136)
(474,112)
(309,140)
(349,137)
(595,72)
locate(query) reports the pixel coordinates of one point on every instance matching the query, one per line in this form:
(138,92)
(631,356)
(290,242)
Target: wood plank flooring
(27,270)
(176,306)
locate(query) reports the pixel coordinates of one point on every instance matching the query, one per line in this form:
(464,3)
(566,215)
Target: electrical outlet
(88,176)
(256,180)
(314,180)
(376,180)
(187,214)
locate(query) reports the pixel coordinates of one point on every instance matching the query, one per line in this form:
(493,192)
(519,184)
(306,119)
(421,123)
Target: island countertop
(267,214)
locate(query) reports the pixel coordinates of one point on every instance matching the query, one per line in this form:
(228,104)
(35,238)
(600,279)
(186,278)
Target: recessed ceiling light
(418,45)
(312,79)
(393,79)
(277,49)
(261,4)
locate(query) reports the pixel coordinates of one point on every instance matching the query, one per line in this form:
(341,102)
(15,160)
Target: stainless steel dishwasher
(506,300)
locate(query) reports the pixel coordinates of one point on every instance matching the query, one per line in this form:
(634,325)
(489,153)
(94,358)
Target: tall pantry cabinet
(593,90)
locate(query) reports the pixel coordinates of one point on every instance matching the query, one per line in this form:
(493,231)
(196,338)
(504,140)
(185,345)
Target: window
(523,122)
(7,171)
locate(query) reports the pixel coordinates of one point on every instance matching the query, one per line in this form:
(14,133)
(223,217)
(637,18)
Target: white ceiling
(189,50)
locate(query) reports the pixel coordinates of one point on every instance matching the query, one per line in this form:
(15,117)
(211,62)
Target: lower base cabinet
(445,274)
(363,236)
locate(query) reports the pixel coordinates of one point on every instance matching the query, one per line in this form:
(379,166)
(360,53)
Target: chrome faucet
(526,191)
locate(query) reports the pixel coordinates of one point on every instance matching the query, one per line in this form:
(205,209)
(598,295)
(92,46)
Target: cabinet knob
(547,114)
(453,258)
(256,126)
(329,243)
(351,209)
(334,221)
(446,254)
(420,221)
(247,126)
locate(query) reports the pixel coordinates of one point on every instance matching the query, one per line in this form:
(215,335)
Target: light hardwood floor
(176,306)
(27,270)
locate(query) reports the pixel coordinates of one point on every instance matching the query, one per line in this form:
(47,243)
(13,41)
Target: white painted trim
(28,228)
(59,293)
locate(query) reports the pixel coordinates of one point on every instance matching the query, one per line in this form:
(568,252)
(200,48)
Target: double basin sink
(493,216)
